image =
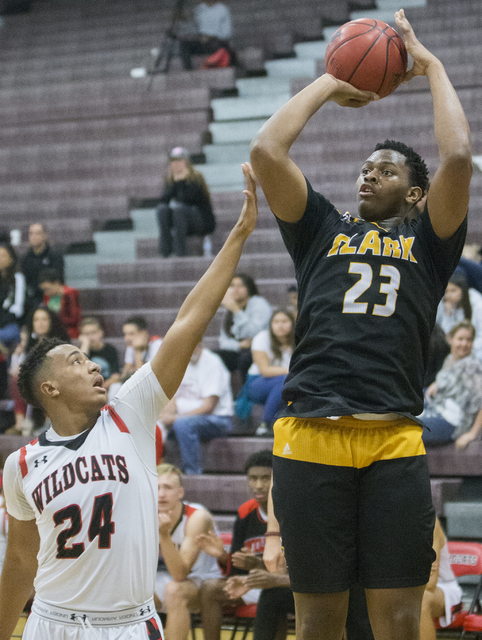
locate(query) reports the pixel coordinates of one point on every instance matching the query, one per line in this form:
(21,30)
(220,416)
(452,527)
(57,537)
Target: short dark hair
(31,367)
(50,275)
(259,459)
(415,163)
(139,321)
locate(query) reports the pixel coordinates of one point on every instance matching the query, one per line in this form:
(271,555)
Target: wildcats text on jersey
(96,468)
(400,248)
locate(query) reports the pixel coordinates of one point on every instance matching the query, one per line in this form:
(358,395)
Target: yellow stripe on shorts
(348,441)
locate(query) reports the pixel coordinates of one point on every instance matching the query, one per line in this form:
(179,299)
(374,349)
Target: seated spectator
(3,524)
(461,303)
(105,355)
(44,323)
(61,299)
(213,24)
(40,256)
(201,408)
(246,548)
(271,351)
(22,425)
(442,593)
(182,565)
(292,292)
(140,346)
(12,298)
(247,313)
(453,408)
(438,350)
(185,205)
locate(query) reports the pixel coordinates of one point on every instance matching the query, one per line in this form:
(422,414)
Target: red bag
(219,59)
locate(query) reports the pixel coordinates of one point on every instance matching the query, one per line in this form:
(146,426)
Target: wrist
(272,533)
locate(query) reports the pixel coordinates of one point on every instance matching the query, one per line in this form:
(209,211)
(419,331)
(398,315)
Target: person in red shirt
(61,299)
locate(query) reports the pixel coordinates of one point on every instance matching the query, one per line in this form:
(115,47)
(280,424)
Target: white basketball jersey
(94,498)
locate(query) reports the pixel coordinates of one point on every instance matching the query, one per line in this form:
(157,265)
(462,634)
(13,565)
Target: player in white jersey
(82,498)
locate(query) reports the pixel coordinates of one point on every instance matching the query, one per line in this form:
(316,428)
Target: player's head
(169,486)
(135,329)
(259,469)
(392,181)
(57,373)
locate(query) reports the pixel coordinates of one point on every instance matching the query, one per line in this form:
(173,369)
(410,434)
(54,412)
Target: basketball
(368,54)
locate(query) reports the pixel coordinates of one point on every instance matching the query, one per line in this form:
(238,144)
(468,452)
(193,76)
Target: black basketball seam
(365,55)
(341,44)
(386,66)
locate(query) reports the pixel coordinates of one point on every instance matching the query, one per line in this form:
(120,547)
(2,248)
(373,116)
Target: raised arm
(281,180)
(448,196)
(197,311)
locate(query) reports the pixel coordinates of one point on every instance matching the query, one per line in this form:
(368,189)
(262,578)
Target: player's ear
(49,389)
(414,195)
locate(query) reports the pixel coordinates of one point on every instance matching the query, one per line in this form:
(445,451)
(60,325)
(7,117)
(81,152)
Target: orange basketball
(368,54)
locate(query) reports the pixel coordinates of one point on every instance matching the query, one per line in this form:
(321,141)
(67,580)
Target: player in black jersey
(351,486)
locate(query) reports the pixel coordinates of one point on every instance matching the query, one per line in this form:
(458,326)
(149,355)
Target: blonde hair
(165,468)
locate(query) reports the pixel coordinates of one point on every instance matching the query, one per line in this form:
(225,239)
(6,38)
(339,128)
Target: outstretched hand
(422,58)
(211,544)
(249,212)
(346,95)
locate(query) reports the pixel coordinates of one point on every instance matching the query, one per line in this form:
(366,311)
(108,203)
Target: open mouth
(99,382)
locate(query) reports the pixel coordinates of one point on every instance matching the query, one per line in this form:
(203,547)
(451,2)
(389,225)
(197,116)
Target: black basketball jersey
(367,301)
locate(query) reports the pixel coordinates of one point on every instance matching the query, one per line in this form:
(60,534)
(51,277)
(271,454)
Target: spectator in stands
(12,298)
(442,593)
(185,205)
(105,355)
(61,299)
(247,313)
(292,292)
(453,408)
(20,406)
(213,24)
(182,565)
(3,523)
(271,350)
(39,256)
(202,407)
(140,346)
(246,548)
(461,303)
(44,323)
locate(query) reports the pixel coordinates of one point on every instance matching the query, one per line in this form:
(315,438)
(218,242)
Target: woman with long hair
(185,205)
(461,303)
(247,313)
(12,297)
(453,409)
(44,323)
(271,351)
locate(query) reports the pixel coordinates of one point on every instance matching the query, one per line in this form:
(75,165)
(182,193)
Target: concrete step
(291,68)
(226,153)
(313,50)
(226,109)
(262,86)
(223,132)
(228,177)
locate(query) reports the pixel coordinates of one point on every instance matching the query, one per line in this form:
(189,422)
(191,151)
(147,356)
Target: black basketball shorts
(354,503)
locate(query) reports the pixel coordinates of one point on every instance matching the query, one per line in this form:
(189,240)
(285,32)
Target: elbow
(263,150)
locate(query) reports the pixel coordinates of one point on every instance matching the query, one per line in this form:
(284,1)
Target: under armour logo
(44,460)
(74,616)
(146,610)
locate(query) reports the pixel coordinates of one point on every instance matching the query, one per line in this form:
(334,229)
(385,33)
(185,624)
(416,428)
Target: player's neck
(68,423)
